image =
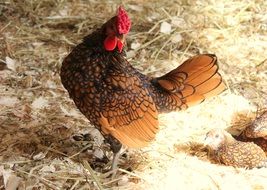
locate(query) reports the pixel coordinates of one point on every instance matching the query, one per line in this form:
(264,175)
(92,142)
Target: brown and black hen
(256,131)
(122,102)
(235,153)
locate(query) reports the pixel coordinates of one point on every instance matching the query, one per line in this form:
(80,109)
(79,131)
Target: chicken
(235,153)
(122,102)
(256,131)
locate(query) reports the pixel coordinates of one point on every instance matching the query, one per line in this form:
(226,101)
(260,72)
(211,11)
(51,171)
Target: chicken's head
(215,138)
(116,29)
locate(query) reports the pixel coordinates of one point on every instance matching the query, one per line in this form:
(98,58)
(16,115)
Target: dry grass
(38,120)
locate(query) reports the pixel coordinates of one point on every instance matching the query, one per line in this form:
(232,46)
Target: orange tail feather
(193,81)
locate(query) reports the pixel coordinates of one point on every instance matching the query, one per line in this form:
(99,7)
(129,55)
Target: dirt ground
(38,120)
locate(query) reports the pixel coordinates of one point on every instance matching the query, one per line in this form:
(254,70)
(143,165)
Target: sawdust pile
(38,120)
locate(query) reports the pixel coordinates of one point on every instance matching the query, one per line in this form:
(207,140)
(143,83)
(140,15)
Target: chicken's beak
(121,41)
(207,141)
(120,45)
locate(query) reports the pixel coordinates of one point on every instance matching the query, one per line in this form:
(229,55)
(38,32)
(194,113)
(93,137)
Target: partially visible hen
(256,131)
(235,153)
(122,102)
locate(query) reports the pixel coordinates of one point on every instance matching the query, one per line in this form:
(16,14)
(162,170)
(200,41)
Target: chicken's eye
(217,136)
(113,28)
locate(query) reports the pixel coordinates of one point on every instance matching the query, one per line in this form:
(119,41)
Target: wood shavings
(123,181)
(135,45)
(165,28)
(176,38)
(136,7)
(11,181)
(39,103)
(39,156)
(11,63)
(8,101)
(38,34)
(27,81)
(73,112)
(48,169)
(178,22)
(98,153)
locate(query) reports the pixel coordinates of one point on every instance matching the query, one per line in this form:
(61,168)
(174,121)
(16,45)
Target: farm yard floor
(38,120)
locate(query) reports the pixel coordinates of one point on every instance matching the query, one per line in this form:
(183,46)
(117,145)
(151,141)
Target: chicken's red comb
(124,22)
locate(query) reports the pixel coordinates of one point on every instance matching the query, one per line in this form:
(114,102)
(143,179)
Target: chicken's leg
(116,148)
(115,160)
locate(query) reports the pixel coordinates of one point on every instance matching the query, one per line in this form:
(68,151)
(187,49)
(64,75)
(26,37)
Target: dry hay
(38,120)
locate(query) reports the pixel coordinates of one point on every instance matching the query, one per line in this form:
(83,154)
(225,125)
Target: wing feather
(135,122)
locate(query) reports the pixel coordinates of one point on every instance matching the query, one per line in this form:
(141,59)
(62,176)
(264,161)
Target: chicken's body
(256,131)
(258,141)
(122,102)
(104,86)
(235,153)
(242,154)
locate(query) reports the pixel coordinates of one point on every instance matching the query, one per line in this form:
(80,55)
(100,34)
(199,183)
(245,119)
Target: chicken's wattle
(111,43)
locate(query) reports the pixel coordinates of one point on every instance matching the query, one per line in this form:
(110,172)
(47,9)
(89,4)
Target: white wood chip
(8,101)
(11,63)
(165,28)
(40,103)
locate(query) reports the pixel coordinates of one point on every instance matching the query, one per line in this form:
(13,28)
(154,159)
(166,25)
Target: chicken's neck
(95,39)
(229,139)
